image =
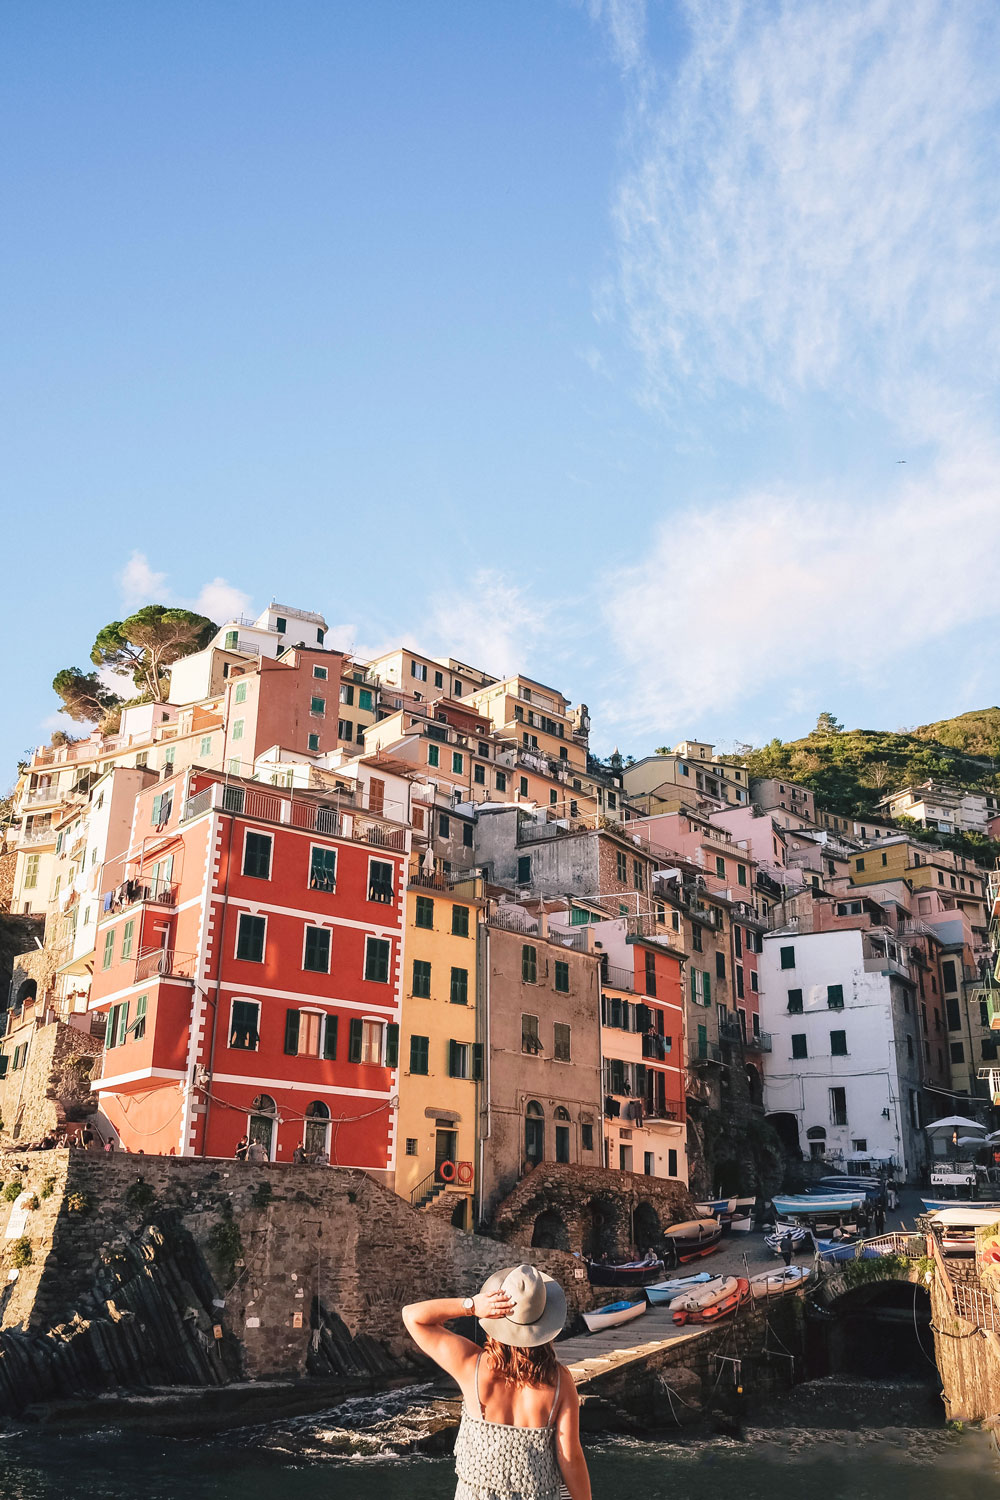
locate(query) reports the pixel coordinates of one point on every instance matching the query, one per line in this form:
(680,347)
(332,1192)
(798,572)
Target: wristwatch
(469,1304)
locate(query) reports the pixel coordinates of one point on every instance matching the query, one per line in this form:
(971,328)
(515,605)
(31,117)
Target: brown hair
(537,1366)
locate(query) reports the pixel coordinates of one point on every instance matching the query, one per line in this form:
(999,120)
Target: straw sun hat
(539,1310)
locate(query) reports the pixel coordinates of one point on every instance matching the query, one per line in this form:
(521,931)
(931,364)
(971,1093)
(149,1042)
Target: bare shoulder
(569,1396)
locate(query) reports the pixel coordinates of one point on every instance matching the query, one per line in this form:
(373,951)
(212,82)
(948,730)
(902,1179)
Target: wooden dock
(594,1354)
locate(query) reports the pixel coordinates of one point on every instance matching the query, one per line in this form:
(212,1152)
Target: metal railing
(131,892)
(704,1052)
(513,920)
(165,963)
(759,1042)
(617,978)
(41,795)
(315,817)
(46,835)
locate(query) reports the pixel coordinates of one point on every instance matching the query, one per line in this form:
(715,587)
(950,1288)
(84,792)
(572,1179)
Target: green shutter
(706,988)
(354,1040)
(330,1038)
(157,804)
(392,1045)
(477,1059)
(454,1069)
(292,1033)
(109,948)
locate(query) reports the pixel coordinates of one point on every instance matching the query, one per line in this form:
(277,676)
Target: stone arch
(755,1086)
(786,1127)
(647,1230)
(27,992)
(600,1231)
(549,1231)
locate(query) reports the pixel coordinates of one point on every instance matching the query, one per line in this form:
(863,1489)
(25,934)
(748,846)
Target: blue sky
(585,338)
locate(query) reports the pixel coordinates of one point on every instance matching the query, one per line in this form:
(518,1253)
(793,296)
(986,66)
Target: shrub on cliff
(13,1190)
(20,1252)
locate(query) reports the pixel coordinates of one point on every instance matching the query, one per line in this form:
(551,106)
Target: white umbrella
(955,1122)
(971,1140)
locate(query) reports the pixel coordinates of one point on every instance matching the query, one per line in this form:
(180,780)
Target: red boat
(711,1305)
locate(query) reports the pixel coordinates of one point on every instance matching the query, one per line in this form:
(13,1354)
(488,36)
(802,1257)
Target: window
(117,1028)
(377,951)
(433,755)
(753,982)
(345,729)
(860,865)
(529,964)
(439,679)
(206,745)
(320,673)
(788,958)
(524,786)
(738,941)
(909,1046)
(316,955)
(529,1034)
(953,1013)
(561,1042)
(622,866)
(838,1106)
(232,640)
(238,729)
(380,881)
(411,1142)
(444,826)
(240,694)
(138,1027)
(740,990)
(250,937)
(838,1043)
(720,867)
(562,976)
(671,1162)
(459,993)
(418,670)
(586,1137)
(835,996)
(365,700)
(637,872)
(795,1002)
(128,933)
(280,624)
(257,855)
(741,874)
(322,869)
(424,913)
(562,1134)
(460,921)
(720,966)
(501,781)
(459,1060)
(457,762)
(162,804)
(696,943)
(948,974)
(109,949)
(313,742)
(957,1052)
(799,1047)
(318,706)
(419,1052)
(649,1164)
(534,1131)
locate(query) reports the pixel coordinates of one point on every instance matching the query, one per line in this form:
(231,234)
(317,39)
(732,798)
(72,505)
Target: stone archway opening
(879,1331)
(786,1128)
(600,1226)
(646,1228)
(549,1231)
(755,1086)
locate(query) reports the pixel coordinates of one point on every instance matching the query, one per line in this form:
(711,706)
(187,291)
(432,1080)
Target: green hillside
(850,770)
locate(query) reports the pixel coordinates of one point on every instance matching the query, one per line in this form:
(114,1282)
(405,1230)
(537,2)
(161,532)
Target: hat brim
(527,1335)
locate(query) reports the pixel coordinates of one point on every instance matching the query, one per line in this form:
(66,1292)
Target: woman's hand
(492,1304)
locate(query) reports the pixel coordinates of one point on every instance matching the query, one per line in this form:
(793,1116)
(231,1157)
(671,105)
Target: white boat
(956,1227)
(613,1314)
(666,1291)
(815,1206)
(776,1283)
(741,1226)
(716,1206)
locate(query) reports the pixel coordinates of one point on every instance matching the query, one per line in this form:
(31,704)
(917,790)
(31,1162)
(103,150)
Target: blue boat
(817,1206)
(666,1291)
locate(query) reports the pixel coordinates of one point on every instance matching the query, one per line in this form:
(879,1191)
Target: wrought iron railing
(165,963)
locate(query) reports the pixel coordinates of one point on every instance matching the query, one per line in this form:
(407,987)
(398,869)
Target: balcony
(340,819)
(35,836)
(759,1043)
(993,1009)
(703,1053)
(43,796)
(165,963)
(883,964)
(616,978)
(731,1031)
(133,892)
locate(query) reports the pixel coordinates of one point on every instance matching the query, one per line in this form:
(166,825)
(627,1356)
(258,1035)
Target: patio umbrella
(972,1140)
(955,1122)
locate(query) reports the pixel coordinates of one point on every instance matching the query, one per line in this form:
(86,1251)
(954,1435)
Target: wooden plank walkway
(593,1354)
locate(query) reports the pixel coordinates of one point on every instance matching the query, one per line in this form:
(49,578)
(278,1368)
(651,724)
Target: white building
(202,675)
(936,804)
(845,1058)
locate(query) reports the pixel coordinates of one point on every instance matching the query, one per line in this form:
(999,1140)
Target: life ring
(446,1171)
(465,1173)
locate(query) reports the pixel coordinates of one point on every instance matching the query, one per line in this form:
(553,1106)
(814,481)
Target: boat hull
(613,1315)
(778,1283)
(666,1291)
(734,1291)
(623,1275)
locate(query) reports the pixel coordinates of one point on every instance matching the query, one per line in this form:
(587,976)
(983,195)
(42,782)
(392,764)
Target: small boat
(817,1205)
(716,1206)
(613,1314)
(666,1291)
(933,1205)
(838,1249)
(741,1226)
(624,1273)
(713,1302)
(777,1283)
(955,1227)
(693,1238)
(802,1237)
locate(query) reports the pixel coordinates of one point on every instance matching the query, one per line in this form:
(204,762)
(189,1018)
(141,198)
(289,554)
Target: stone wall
(968,1359)
(54,1084)
(290,1271)
(592,1210)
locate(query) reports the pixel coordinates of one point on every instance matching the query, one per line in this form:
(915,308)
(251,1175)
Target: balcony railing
(43,795)
(131,892)
(731,1031)
(512,919)
(341,820)
(617,978)
(165,963)
(993,1009)
(34,836)
(701,1053)
(761,1042)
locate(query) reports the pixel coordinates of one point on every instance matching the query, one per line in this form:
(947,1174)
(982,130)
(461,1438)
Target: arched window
(560,1112)
(316,1139)
(534,1132)
(816,1133)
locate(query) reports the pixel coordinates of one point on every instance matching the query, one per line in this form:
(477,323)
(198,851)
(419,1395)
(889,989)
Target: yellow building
(440,1060)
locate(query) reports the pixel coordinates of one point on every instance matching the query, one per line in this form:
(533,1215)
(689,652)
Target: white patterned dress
(496,1461)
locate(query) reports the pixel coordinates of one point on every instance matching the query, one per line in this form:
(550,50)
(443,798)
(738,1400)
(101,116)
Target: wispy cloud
(494,623)
(809,212)
(140,583)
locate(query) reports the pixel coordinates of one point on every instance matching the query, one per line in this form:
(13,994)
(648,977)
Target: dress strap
(479,1399)
(555,1398)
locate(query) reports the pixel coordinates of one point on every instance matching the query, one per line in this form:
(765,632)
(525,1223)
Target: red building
(249,967)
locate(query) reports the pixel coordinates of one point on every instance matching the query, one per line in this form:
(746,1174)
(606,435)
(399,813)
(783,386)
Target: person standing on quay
(787,1249)
(520,1429)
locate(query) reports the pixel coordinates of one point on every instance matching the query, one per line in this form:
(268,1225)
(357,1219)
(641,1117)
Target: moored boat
(716,1206)
(817,1205)
(624,1273)
(611,1315)
(838,1249)
(802,1237)
(776,1283)
(712,1302)
(693,1238)
(955,1227)
(666,1291)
